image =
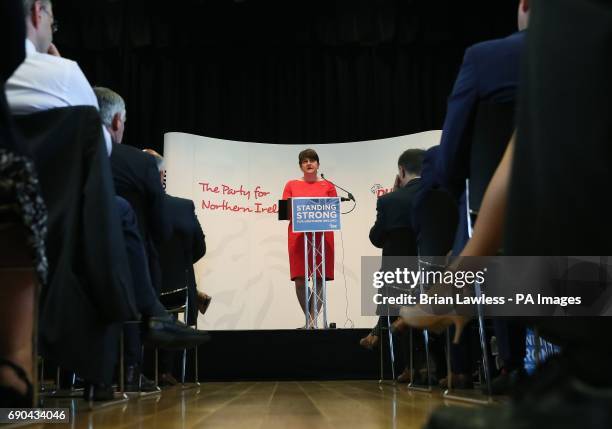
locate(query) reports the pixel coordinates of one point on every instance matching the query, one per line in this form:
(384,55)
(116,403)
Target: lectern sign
(315,214)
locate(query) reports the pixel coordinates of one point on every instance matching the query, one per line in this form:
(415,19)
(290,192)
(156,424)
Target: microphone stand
(350,196)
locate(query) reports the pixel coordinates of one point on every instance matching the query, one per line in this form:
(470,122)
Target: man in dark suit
(186,246)
(177,256)
(394,210)
(137,182)
(136,179)
(489,73)
(189,240)
(563,122)
(392,231)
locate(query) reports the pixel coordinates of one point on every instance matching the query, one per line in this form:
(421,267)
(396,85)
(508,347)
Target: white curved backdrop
(235,186)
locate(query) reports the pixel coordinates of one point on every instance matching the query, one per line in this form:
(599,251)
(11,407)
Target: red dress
(300,188)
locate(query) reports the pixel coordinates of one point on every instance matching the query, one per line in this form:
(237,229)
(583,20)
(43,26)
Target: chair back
(88,288)
(176,291)
(492,129)
(399,242)
(437,218)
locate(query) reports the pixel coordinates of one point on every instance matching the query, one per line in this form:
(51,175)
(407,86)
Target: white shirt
(45,82)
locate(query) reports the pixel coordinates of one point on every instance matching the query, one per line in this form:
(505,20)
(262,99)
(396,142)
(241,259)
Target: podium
(313,216)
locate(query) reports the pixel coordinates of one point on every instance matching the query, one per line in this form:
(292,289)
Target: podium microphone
(350,196)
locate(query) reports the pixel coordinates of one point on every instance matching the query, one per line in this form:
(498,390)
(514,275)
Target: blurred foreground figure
(564,110)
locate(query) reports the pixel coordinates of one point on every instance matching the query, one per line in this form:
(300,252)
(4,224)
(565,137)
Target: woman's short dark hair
(308,154)
(412,160)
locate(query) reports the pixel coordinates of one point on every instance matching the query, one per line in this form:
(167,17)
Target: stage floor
(269,404)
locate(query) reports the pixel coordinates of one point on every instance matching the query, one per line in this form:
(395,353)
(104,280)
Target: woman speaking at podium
(309,185)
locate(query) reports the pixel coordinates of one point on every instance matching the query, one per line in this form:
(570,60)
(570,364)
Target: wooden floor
(294,405)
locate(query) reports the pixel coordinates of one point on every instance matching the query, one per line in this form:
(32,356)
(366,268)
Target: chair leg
(156,366)
(121,362)
(449,378)
(184,366)
(195,363)
(186,321)
(391,351)
(411,355)
(141,365)
(478,290)
(42,373)
(428,366)
(483,344)
(380,360)
(57,378)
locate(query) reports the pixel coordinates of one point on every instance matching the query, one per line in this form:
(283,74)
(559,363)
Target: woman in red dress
(310,185)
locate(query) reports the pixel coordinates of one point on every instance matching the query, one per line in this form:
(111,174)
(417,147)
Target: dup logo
(379,190)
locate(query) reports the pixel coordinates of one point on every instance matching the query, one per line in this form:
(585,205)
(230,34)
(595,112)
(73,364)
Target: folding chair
(493,127)
(177,302)
(436,215)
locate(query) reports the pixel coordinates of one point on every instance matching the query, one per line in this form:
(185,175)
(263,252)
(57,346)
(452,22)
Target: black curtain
(279,71)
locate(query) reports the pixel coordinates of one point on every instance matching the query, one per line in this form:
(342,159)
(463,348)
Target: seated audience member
(573,389)
(185,247)
(434,220)
(23,222)
(137,179)
(489,73)
(186,229)
(392,231)
(45,80)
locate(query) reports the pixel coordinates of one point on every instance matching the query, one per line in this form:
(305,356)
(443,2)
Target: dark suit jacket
(184,248)
(12,33)
(490,72)
(137,180)
(434,214)
(89,287)
(392,232)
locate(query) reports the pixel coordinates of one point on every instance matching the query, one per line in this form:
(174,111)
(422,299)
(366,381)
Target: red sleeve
(287,191)
(331,191)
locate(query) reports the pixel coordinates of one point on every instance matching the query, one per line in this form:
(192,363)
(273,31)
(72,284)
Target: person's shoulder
(66,63)
(123,149)
(54,67)
(44,69)
(135,152)
(51,60)
(132,154)
(385,198)
(496,46)
(178,203)
(406,193)
(184,203)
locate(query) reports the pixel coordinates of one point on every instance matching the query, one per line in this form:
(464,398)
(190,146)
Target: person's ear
(116,122)
(402,172)
(35,14)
